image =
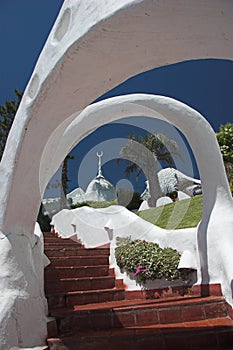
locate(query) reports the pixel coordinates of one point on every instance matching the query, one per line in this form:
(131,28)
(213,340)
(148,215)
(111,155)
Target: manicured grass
(95,205)
(181,214)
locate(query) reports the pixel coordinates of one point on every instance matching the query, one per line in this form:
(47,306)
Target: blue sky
(205,85)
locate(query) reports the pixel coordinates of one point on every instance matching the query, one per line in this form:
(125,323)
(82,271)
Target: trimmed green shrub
(147,260)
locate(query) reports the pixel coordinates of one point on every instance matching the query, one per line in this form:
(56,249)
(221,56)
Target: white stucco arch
(88,52)
(202,139)
(194,127)
(85,55)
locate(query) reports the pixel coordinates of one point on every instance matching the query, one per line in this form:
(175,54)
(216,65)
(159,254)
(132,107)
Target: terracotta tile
(124,319)
(215,289)
(101,308)
(104,296)
(102,283)
(198,325)
(222,322)
(135,294)
(72,300)
(216,310)
(119,295)
(146,317)
(119,283)
(193,313)
(89,298)
(112,272)
(169,315)
(207,289)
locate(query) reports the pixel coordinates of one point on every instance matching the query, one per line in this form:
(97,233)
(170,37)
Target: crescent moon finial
(100,155)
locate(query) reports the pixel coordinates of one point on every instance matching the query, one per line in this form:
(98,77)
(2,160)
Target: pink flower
(139,269)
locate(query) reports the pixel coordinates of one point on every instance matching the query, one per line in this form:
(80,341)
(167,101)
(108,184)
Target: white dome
(100,189)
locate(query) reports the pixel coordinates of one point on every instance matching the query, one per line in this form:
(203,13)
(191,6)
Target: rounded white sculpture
(163,201)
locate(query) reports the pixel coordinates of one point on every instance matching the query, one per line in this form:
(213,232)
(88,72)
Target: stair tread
(71,247)
(84,316)
(92,291)
(77,257)
(207,325)
(59,239)
(57,246)
(137,303)
(82,278)
(61,246)
(52,267)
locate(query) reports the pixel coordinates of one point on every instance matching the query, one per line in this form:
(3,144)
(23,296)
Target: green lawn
(181,214)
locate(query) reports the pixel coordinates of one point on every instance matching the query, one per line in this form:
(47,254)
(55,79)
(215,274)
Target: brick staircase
(93,311)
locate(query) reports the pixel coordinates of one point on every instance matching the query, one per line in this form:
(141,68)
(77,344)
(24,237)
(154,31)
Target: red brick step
(141,312)
(80,284)
(70,299)
(79,261)
(54,251)
(93,311)
(59,272)
(194,335)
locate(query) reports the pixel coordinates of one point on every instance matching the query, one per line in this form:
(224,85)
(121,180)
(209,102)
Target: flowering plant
(146,260)
(173,195)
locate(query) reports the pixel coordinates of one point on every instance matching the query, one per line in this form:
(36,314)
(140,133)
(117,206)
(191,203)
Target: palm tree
(142,155)
(64,181)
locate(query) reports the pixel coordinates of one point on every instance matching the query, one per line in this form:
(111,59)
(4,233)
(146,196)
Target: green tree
(135,202)
(7,113)
(142,155)
(225,140)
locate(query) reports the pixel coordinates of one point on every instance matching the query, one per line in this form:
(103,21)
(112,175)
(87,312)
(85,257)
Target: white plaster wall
(202,139)
(96,227)
(23,306)
(88,52)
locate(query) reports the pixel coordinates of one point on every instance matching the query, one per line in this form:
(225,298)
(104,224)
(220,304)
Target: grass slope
(181,214)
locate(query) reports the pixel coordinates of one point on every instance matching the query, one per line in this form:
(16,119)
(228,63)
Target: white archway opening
(198,132)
